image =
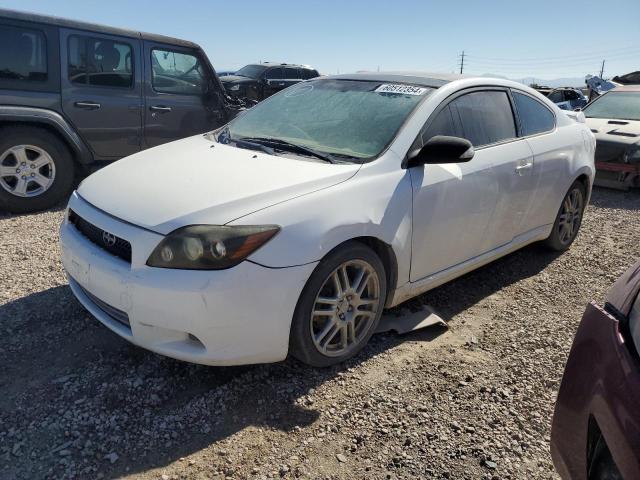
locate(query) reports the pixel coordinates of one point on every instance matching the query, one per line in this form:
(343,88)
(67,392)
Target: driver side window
(178,73)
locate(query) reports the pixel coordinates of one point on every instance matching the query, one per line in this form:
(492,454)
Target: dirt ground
(471,401)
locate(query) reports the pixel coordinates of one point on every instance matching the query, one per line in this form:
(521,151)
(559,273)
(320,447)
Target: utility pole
(461,62)
(602,69)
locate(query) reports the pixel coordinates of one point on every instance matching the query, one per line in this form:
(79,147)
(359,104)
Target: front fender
(374,203)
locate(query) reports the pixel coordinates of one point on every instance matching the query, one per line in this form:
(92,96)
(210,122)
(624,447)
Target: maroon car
(596,424)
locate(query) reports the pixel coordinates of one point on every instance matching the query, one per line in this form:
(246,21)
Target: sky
(516,39)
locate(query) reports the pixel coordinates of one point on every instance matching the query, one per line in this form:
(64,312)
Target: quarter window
(180,73)
(485,117)
(23,54)
(100,62)
(534,116)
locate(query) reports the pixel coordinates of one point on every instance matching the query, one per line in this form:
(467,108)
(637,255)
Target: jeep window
(180,73)
(307,74)
(251,71)
(274,74)
(23,54)
(341,117)
(534,116)
(99,62)
(621,105)
(292,74)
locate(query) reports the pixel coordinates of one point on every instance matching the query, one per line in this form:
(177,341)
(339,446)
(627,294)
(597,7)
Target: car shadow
(603,197)
(62,369)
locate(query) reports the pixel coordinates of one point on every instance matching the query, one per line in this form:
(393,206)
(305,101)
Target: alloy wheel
(26,170)
(570,216)
(345,308)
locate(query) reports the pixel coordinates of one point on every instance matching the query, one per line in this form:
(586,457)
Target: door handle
(87,105)
(160,108)
(520,169)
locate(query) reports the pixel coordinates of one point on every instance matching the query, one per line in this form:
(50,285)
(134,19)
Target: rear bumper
(602,381)
(226,317)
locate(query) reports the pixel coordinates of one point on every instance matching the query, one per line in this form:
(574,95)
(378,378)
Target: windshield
(622,105)
(251,71)
(340,117)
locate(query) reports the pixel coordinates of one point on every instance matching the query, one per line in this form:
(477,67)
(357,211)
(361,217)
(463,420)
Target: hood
(236,79)
(197,181)
(614,138)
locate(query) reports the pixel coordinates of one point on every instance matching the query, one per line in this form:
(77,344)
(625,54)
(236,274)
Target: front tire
(340,306)
(36,169)
(569,218)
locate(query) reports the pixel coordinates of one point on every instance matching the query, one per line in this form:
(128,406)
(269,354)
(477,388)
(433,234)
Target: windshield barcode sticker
(400,89)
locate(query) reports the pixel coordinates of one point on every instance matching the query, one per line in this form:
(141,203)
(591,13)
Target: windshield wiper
(289,146)
(242,143)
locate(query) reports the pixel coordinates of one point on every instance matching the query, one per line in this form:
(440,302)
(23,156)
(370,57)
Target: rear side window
(274,74)
(486,117)
(292,74)
(23,54)
(179,73)
(100,62)
(307,74)
(534,116)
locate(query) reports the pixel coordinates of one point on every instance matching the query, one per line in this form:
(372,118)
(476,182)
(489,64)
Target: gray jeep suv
(75,95)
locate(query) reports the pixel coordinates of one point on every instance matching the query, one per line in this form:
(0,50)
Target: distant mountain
(554,82)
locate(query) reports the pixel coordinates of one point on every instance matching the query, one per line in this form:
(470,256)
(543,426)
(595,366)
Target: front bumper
(601,381)
(226,317)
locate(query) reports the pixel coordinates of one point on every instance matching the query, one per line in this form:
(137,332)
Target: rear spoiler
(577,116)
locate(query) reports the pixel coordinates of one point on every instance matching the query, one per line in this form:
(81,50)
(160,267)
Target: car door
(180,95)
(101,90)
(552,153)
(457,207)
(274,81)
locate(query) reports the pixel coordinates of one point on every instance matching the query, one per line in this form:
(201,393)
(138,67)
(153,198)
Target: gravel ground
(471,401)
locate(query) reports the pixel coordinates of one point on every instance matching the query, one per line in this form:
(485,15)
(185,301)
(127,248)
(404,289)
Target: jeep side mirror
(441,149)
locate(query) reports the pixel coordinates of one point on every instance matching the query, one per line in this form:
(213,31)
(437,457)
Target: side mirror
(441,149)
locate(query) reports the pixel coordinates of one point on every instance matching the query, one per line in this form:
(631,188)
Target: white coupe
(290,229)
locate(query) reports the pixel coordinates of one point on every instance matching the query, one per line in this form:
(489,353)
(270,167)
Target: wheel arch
(51,122)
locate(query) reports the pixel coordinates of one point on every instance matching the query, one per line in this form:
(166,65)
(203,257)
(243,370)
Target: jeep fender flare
(41,116)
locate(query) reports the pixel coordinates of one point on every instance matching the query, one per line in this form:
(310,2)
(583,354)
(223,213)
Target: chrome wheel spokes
(26,170)
(570,216)
(345,308)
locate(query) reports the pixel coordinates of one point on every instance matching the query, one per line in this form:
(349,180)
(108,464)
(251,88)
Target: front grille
(114,245)
(117,315)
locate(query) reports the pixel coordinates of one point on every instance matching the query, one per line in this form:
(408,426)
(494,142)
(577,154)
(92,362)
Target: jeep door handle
(160,108)
(87,105)
(521,169)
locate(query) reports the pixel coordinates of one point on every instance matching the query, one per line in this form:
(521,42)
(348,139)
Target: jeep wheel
(36,169)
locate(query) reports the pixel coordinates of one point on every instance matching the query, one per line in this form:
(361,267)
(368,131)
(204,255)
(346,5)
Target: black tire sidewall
(64,165)
(553,241)
(300,344)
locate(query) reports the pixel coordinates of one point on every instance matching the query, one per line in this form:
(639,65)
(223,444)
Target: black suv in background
(256,82)
(74,95)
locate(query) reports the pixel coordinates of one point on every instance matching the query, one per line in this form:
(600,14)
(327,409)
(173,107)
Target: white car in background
(290,229)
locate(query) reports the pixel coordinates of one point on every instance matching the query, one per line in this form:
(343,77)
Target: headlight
(207,247)
(234,88)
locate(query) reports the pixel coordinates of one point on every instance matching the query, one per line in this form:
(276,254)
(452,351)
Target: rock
(341,458)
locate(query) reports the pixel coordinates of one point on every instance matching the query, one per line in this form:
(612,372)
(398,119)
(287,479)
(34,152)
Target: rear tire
(36,169)
(350,285)
(569,218)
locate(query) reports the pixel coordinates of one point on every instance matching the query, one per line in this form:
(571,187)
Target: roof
(92,27)
(425,79)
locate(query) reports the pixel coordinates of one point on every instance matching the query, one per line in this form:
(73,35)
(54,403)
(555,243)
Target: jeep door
(273,81)
(182,94)
(101,84)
